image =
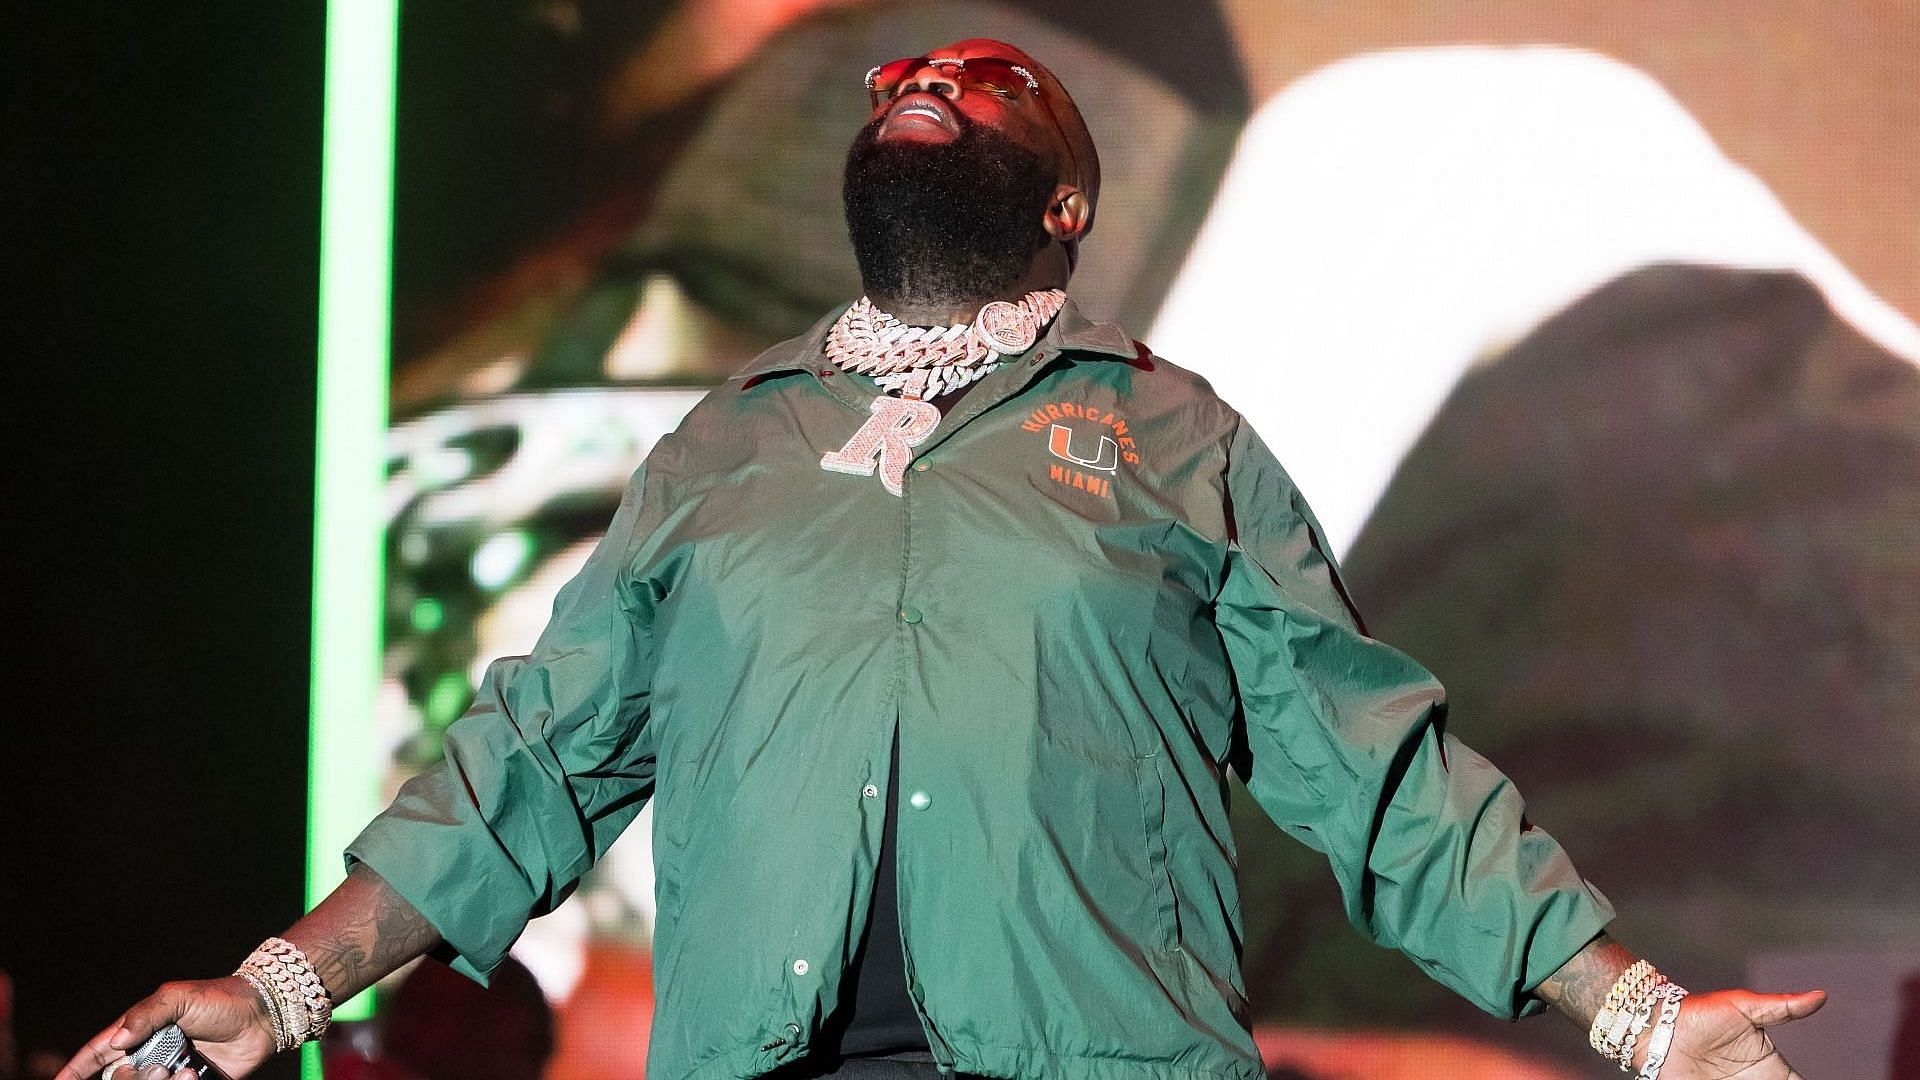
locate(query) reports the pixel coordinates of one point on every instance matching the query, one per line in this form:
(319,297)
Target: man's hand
(225,1018)
(362,932)
(1719,1036)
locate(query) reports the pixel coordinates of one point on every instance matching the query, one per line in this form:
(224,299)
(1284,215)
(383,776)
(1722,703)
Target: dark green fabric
(1072,670)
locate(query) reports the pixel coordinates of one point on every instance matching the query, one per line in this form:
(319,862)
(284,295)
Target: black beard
(945,223)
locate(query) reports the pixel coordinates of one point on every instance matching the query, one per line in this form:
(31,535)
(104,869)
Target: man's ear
(1068,213)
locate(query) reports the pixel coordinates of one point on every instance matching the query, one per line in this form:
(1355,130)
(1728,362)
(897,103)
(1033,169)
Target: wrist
(1634,1026)
(1640,1055)
(1616,1026)
(267,1017)
(297,1005)
(1653,1050)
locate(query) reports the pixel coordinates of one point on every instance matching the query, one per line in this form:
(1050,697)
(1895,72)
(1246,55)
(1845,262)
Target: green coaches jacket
(1096,592)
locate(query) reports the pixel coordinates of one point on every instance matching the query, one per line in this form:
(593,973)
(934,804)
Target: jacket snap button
(869,791)
(909,615)
(919,800)
(793,1029)
(799,967)
(919,466)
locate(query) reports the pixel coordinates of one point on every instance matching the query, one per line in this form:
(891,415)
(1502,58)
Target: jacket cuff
(418,864)
(1565,928)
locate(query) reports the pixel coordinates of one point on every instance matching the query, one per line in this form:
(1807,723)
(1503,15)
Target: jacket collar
(1070,332)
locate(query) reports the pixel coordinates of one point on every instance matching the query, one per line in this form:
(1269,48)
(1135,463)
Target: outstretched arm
(1346,749)
(540,776)
(360,933)
(1719,1035)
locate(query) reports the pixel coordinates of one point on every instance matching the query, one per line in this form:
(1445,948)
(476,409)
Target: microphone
(169,1047)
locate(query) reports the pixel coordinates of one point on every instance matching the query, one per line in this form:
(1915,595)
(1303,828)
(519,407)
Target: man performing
(932,634)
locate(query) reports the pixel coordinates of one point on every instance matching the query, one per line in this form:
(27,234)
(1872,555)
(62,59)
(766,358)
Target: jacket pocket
(1153,818)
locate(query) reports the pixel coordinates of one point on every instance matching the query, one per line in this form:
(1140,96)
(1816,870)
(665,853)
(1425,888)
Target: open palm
(1721,1036)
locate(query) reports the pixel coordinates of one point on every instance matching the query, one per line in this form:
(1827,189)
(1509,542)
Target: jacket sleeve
(1344,746)
(541,774)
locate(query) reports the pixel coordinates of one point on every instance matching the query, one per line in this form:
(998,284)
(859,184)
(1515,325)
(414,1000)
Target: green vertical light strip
(356,233)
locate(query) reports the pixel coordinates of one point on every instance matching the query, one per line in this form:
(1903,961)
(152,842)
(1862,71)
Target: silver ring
(107,1073)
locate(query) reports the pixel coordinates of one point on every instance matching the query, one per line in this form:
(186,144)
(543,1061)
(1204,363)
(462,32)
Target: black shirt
(876,1016)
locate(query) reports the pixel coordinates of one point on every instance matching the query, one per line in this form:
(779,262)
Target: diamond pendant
(886,441)
(1005,328)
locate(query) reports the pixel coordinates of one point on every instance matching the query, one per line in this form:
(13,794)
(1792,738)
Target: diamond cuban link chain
(927,361)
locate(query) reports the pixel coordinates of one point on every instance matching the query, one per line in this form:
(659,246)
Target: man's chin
(937,215)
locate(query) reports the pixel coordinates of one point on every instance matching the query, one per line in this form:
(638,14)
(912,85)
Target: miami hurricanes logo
(1087,455)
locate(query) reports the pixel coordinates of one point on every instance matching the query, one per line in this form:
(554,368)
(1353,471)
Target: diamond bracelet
(1661,1041)
(1629,1012)
(297,1001)
(1610,1026)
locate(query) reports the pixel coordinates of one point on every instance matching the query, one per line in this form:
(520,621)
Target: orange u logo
(1060,442)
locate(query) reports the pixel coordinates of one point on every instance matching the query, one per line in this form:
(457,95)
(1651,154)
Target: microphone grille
(161,1048)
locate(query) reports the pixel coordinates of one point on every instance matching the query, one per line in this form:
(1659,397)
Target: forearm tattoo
(1580,987)
(361,933)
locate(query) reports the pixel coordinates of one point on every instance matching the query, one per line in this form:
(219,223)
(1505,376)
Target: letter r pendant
(894,427)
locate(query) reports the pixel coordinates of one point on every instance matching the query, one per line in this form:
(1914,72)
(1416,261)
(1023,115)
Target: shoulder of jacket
(708,416)
(1185,389)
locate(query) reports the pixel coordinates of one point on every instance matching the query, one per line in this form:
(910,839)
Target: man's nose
(933,79)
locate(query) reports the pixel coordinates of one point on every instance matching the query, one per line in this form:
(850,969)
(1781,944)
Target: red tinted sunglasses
(984,74)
